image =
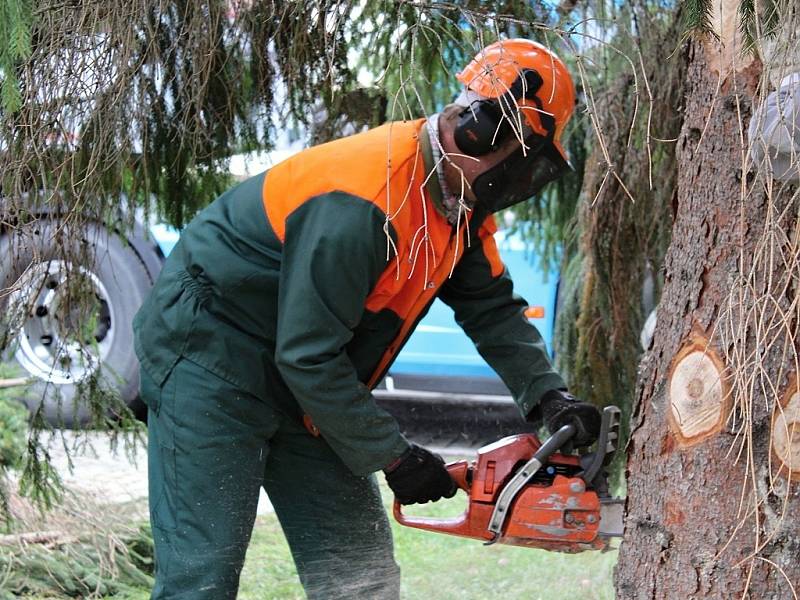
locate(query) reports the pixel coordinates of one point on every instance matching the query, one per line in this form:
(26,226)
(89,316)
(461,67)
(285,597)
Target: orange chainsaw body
(554,511)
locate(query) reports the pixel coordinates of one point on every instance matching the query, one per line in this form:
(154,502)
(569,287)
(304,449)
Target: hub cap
(61,339)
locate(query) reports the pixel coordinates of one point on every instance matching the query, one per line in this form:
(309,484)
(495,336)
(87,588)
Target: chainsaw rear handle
(459,471)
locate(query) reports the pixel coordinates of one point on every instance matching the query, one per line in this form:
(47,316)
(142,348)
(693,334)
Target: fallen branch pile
(79,550)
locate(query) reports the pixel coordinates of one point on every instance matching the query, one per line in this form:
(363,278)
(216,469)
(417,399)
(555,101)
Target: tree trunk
(711,508)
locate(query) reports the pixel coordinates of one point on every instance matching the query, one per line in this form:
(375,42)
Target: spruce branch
(697,18)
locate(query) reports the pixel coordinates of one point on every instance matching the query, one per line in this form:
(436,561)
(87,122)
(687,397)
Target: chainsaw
(526,493)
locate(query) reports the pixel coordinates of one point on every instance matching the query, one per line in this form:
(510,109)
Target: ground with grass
(434,566)
(440,567)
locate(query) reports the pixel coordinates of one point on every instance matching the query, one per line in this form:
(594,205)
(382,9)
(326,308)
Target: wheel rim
(57,341)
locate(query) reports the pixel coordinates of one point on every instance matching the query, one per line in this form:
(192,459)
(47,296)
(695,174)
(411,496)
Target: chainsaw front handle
(555,442)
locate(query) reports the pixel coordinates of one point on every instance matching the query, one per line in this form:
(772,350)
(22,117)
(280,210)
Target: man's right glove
(419,476)
(559,408)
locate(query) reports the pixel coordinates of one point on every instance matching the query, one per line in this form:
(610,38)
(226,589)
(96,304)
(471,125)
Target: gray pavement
(108,475)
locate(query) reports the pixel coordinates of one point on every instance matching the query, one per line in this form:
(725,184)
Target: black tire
(26,255)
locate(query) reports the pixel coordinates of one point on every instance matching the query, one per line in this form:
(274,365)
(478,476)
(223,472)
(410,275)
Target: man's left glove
(559,408)
(419,476)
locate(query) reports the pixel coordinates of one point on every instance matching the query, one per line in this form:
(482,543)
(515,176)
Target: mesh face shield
(521,176)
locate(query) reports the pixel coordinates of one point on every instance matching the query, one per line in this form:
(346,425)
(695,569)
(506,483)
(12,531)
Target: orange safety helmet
(507,79)
(498,67)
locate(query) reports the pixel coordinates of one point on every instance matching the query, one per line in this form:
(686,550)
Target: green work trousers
(211,447)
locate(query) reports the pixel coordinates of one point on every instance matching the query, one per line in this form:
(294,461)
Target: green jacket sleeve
(481,294)
(333,253)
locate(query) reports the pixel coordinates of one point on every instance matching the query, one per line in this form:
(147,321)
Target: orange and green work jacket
(302,284)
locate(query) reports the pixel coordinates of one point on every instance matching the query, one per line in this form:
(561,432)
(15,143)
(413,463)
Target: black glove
(419,476)
(559,408)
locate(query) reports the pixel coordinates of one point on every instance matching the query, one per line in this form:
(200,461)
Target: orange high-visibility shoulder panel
(364,165)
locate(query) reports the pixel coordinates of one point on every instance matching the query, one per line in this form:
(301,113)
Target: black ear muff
(527,85)
(477,132)
(481,127)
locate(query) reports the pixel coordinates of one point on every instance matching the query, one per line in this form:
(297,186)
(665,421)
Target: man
(285,303)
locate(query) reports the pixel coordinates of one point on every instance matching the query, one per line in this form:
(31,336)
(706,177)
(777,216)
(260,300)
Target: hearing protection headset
(484,125)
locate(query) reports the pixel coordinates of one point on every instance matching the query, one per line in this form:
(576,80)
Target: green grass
(442,567)
(434,567)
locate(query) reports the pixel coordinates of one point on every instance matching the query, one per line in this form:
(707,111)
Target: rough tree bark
(711,508)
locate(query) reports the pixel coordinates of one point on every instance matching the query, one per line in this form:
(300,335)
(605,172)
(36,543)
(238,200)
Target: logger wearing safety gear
(282,306)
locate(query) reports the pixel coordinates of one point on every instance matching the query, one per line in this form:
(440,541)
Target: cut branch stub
(724,51)
(786,431)
(699,394)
